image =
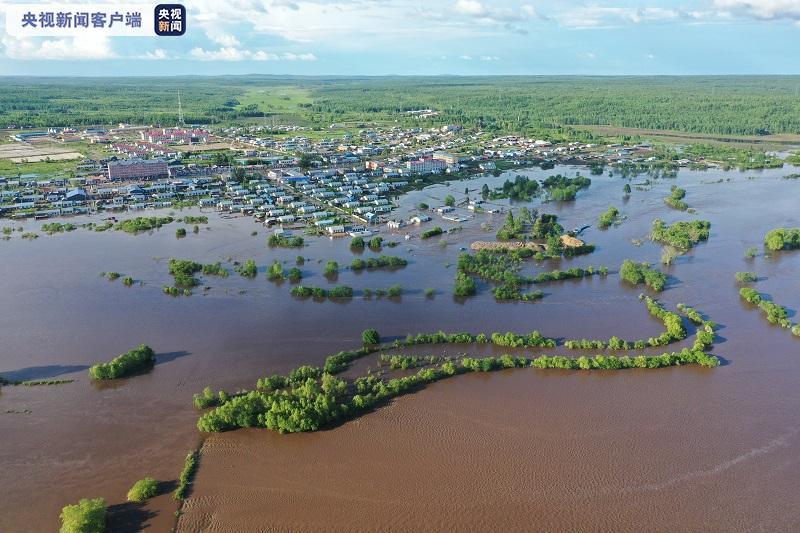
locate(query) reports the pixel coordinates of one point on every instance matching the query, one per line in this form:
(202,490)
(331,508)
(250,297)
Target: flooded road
(678,448)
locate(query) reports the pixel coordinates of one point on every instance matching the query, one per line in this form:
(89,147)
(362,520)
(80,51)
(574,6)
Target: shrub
(180,232)
(331,268)
(142,490)
(465,285)
(275,271)
(189,468)
(681,235)
(370,337)
(137,359)
(87,516)
(609,217)
(431,233)
(295,274)
(285,242)
(783,239)
(746,277)
(636,273)
(248,269)
(357,243)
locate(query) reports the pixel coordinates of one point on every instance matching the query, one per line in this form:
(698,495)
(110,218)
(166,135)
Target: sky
(434,37)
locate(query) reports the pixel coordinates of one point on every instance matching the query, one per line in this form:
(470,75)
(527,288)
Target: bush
(370,337)
(189,468)
(87,516)
(431,233)
(275,271)
(746,277)
(681,235)
(465,285)
(331,268)
(285,242)
(248,269)
(357,243)
(180,232)
(295,274)
(608,218)
(394,291)
(138,224)
(183,270)
(137,359)
(376,242)
(637,273)
(783,239)
(142,490)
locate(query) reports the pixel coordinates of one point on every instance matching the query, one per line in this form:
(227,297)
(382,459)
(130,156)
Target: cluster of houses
(334,200)
(56,198)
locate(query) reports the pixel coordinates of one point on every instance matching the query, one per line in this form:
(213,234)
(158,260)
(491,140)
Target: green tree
(142,490)
(370,337)
(87,516)
(449,200)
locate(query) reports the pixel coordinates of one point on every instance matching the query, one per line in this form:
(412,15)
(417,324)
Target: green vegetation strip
(136,360)
(775,314)
(187,475)
(310,398)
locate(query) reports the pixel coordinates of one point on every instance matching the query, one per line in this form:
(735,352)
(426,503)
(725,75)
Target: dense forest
(523,104)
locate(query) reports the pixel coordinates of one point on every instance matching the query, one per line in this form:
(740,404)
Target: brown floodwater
(672,449)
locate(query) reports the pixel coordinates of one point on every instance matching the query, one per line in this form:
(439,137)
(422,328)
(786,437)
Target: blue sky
(431,37)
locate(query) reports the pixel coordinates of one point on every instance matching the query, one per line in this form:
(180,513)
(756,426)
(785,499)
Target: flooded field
(683,448)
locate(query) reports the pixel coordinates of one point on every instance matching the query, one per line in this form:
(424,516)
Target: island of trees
(783,239)
(140,358)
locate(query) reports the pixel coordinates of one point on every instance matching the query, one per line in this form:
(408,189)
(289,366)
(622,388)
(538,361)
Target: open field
(778,141)
(21,152)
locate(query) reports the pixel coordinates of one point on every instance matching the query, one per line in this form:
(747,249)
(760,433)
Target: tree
(449,200)
(331,268)
(627,188)
(305,161)
(87,516)
(142,490)
(554,245)
(485,191)
(370,337)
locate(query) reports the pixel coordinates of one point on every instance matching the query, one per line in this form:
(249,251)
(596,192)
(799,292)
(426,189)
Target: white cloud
(761,9)
(470,7)
(465,57)
(89,47)
(490,58)
(595,16)
(157,54)
(222,38)
(231,53)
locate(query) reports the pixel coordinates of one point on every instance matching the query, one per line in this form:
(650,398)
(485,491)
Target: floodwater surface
(682,448)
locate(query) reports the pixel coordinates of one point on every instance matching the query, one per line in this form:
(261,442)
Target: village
(343,185)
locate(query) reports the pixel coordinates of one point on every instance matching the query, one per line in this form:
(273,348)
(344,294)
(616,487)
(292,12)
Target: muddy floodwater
(675,449)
